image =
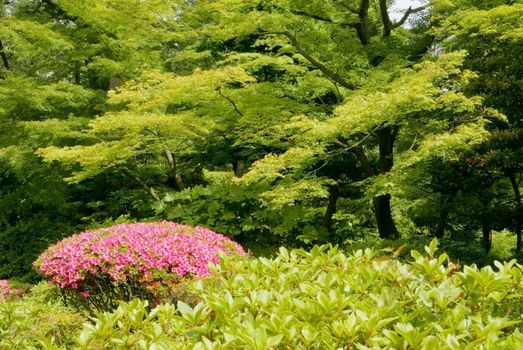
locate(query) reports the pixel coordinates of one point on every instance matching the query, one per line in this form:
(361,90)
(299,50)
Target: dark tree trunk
(387,24)
(77,74)
(518,211)
(362,27)
(3,54)
(443,215)
(239,168)
(385,222)
(334,194)
(382,211)
(386,138)
(442,222)
(171,161)
(364,160)
(487,236)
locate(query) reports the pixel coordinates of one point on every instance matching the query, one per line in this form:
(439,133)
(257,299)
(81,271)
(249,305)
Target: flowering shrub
(6,291)
(147,260)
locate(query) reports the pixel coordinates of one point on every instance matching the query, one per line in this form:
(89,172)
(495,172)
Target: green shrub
(324,299)
(466,250)
(37,319)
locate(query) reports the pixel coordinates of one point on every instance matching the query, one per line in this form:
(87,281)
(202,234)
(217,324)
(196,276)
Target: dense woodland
(275,122)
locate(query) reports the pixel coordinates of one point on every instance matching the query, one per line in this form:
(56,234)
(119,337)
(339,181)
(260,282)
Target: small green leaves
(431,249)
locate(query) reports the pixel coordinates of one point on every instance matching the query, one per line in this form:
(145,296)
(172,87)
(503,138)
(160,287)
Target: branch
(310,15)
(323,19)
(358,151)
(358,143)
(171,160)
(231,102)
(364,160)
(330,74)
(140,182)
(350,8)
(410,11)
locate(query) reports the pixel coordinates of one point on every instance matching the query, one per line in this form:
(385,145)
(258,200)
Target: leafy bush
(146,260)
(37,319)
(324,299)
(466,250)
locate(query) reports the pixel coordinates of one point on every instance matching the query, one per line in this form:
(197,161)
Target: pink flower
(6,291)
(133,252)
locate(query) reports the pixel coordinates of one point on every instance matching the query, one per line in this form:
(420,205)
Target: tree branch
(231,102)
(323,19)
(358,151)
(348,7)
(327,72)
(140,182)
(314,16)
(364,160)
(409,11)
(388,26)
(171,160)
(310,15)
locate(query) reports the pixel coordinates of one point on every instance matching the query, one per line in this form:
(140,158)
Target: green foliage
(38,320)
(277,122)
(58,59)
(326,299)
(462,250)
(480,188)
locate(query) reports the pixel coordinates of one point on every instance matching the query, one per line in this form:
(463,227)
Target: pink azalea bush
(147,260)
(6,291)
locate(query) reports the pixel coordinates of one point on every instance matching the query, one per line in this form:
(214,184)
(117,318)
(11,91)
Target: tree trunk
(487,236)
(385,222)
(518,211)
(334,194)
(386,227)
(443,215)
(171,161)
(442,222)
(77,77)
(239,168)
(3,54)
(362,27)
(385,19)
(386,138)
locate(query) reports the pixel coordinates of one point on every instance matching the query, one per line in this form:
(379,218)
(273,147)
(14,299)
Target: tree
(58,59)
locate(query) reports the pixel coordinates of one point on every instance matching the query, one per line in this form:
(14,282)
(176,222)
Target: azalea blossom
(133,252)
